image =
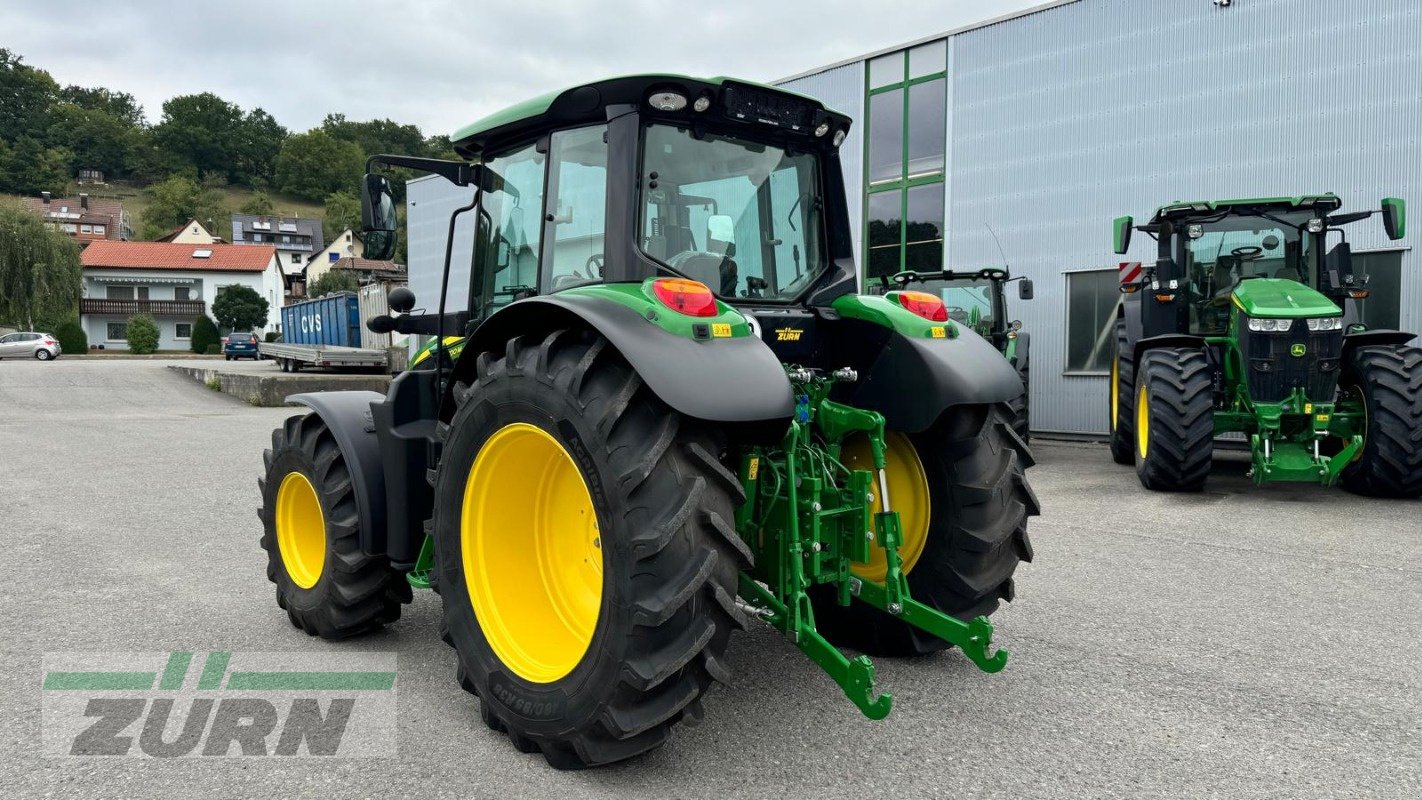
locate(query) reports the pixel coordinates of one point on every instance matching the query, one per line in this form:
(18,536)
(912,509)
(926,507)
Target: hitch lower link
(807,529)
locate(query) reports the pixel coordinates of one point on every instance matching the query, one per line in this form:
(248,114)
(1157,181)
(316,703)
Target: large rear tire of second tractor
(975,501)
(585,552)
(1388,381)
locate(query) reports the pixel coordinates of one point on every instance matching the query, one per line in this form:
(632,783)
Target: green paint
(888,313)
(1121,233)
(453,345)
(1281,298)
(176,670)
(419,577)
(99,681)
(807,518)
(1395,209)
(311,681)
(214,669)
(641,298)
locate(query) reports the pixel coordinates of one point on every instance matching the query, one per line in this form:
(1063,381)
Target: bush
(204,334)
(273,336)
(332,281)
(142,334)
(71,336)
(213,350)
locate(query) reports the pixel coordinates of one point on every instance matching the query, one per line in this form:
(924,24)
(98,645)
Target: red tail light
(49,342)
(691,298)
(928,306)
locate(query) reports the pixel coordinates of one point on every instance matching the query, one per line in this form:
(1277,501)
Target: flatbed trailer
(293,357)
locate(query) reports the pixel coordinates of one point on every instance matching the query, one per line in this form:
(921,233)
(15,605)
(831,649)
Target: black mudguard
(348,416)
(913,381)
(1371,338)
(719,380)
(1181,340)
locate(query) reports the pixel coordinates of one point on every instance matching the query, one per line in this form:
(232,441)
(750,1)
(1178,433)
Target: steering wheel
(1247,253)
(594,265)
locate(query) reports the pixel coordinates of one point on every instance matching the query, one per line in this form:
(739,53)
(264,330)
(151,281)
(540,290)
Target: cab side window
(509,236)
(576,219)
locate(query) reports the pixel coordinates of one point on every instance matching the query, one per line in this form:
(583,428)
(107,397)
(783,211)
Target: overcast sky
(442,63)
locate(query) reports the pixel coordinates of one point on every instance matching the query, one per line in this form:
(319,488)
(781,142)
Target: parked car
(240,345)
(29,344)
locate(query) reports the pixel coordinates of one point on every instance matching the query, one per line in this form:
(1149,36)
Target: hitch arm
(973,638)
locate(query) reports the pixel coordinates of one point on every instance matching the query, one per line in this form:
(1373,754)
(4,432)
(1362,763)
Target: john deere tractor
(657,411)
(1249,322)
(979,299)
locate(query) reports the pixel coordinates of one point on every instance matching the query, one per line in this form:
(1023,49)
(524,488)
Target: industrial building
(1034,130)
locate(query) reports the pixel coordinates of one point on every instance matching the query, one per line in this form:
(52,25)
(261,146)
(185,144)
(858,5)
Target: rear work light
(692,298)
(926,305)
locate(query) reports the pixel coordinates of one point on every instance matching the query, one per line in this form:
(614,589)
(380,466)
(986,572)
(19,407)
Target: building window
(1092,296)
(71,229)
(1383,268)
(296,258)
(333,257)
(905,159)
(86,228)
(182,293)
(117,332)
(99,230)
(183,330)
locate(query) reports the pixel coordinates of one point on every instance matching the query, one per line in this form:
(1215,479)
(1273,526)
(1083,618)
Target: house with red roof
(174,282)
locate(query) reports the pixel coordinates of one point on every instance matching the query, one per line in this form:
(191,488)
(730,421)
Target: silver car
(29,344)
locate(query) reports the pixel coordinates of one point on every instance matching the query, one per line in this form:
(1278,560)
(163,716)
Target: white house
(296,239)
(191,232)
(173,282)
(346,245)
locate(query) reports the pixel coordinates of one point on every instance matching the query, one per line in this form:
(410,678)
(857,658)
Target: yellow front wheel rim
(1115,390)
(301,530)
(908,495)
(532,554)
(1142,422)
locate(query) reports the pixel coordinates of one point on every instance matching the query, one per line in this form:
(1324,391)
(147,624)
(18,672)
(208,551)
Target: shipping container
(330,320)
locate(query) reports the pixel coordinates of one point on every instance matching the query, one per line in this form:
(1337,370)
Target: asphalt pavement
(1240,642)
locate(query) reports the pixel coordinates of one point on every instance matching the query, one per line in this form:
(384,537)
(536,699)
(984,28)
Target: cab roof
(587,103)
(1322,203)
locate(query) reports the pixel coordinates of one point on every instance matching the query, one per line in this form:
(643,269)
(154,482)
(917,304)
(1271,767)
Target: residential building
(84,218)
(369,270)
(1034,130)
(172,281)
(296,239)
(347,244)
(191,232)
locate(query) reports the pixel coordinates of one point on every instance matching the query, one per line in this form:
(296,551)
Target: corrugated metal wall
(1069,117)
(842,89)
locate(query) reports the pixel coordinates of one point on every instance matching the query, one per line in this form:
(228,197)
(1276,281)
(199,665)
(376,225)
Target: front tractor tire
(585,552)
(1388,381)
(1174,420)
(1121,403)
(311,533)
(963,499)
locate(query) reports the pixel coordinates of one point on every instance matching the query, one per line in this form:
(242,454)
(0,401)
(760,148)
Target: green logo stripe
(176,670)
(213,669)
(295,681)
(99,681)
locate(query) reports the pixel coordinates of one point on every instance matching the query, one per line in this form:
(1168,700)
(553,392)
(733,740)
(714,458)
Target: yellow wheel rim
(1142,422)
(908,494)
(532,556)
(1115,390)
(301,530)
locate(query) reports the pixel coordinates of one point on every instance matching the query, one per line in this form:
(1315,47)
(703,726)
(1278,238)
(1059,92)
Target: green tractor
(1249,323)
(978,299)
(659,411)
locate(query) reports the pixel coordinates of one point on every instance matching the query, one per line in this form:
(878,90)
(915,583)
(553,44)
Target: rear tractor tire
(311,532)
(586,553)
(1121,403)
(962,495)
(1174,420)
(1021,407)
(1389,382)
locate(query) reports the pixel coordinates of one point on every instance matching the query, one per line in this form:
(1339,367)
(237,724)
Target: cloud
(439,63)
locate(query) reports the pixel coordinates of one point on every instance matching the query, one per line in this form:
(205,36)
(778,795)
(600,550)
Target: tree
(142,334)
(71,336)
(258,142)
(97,140)
(30,168)
(26,95)
(259,203)
(201,131)
(118,105)
(332,281)
(204,334)
(39,269)
(239,308)
(177,200)
(314,164)
(342,212)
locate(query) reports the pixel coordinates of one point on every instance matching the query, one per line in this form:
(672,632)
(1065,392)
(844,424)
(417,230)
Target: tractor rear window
(742,218)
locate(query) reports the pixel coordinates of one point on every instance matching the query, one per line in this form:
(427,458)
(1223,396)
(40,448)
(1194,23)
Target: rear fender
(729,380)
(348,416)
(1183,341)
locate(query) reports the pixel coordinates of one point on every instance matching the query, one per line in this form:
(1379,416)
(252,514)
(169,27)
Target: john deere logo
(1298,350)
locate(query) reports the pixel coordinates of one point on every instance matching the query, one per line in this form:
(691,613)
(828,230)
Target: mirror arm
(459,173)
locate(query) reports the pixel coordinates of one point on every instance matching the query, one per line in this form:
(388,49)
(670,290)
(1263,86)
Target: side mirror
(401,299)
(377,217)
(1024,289)
(1394,213)
(1121,228)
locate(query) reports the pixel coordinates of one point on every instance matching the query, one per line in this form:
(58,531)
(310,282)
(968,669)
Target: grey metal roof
(243,228)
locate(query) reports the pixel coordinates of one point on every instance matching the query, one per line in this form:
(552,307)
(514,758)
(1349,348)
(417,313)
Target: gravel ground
(1240,642)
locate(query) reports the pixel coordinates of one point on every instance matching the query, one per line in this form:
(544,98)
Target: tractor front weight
(808,518)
